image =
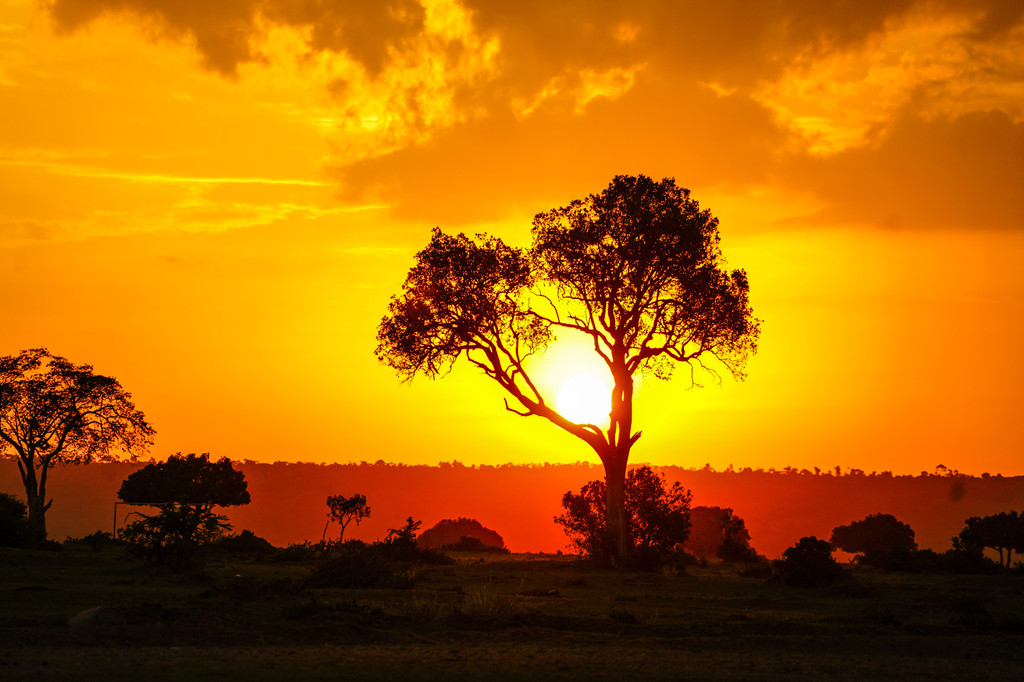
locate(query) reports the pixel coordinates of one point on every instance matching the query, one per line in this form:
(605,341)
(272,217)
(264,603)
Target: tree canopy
(55,412)
(635,270)
(874,533)
(187,480)
(658,516)
(185,489)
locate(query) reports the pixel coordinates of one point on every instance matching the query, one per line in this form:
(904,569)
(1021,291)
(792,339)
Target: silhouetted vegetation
(185,489)
(246,542)
(345,510)
(14,531)
(54,412)
(718,532)
(808,563)
(878,539)
(635,269)
(658,518)
(1003,532)
(447,533)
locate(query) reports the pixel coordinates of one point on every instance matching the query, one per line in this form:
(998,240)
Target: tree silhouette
(54,412)
(874,533)
(635,270)
(185,489)
(344,510)
(451,531)
(658,516)
(1002,531)
(715,531)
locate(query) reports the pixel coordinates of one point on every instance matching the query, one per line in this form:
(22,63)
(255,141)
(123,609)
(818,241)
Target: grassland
(519,617)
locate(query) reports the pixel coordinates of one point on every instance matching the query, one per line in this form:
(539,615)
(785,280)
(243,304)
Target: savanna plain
(486,616)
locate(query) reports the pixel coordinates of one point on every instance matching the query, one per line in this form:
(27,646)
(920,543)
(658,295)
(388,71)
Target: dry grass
(551,618)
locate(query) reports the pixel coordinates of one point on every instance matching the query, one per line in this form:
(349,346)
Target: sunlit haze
(214,202)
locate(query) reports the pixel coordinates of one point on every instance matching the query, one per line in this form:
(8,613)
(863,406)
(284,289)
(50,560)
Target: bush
(473,544)
(358,565)
(245,542)
(449,532)
(808,563)
(13,522)
(298,552)
(658,518)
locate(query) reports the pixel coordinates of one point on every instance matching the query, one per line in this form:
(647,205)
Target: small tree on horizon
(55,412)
(345,510)
(636,271)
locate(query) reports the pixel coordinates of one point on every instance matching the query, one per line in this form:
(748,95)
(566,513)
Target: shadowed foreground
(546,617)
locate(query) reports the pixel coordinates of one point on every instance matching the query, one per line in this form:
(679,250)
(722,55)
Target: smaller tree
(1002,531)
(715,531)
(185,489)
(658,517)
(13,522)
(345,510)
(874,533)
(808,563)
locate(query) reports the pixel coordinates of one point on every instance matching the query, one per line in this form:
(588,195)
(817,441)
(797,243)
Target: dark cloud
(484,169)
(224,29)
(966,171)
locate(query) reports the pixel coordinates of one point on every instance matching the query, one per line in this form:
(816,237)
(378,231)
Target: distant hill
(520,501)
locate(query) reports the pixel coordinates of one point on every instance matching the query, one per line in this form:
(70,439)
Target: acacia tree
(54,412)
(636,270)
(874,533)
(344,510)
(185,489)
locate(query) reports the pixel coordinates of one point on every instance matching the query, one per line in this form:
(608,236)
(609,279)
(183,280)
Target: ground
(495,618)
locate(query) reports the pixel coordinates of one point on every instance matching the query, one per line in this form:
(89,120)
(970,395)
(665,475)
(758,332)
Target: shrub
(808,563)
(13,522)
(473,544)
(658,518)
(448,532)
(245,542)
(358,565)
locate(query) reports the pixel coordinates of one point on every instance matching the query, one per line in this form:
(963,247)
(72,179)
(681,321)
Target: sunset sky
(214,201)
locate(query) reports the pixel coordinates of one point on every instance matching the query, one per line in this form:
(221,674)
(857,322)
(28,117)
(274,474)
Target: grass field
(518,617)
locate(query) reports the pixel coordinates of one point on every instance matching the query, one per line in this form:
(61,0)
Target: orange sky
(213,202)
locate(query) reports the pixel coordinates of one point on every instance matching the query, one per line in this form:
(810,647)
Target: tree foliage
(808,563)
(13,522)
(636,271)
(658,516)
(1003,532)
(448,532)
(55,412)
(874,533)
(345,510)
(718,532)
(185,489)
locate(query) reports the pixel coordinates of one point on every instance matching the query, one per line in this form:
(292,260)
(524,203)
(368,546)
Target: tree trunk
(36,520)
(619,547)
(35,499)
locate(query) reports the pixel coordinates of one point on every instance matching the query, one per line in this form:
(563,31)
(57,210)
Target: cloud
(963,171)
(457,112)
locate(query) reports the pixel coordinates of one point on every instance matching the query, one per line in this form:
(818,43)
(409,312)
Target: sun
(584,399)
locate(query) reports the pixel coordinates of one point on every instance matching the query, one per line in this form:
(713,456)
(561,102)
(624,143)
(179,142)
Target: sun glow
(584,399)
